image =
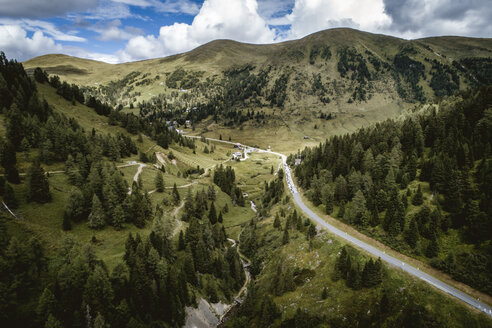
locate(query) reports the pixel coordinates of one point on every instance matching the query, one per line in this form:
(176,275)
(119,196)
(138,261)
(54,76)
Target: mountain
(330,82)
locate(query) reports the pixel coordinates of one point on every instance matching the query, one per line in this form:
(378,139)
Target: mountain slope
(330,82)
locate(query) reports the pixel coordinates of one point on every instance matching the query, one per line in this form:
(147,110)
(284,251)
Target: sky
(118,31)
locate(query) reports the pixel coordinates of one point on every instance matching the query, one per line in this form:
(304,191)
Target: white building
(237,155)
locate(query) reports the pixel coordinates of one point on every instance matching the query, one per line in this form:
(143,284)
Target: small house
(237,145)
(188,123)
(237,156)
(297,161)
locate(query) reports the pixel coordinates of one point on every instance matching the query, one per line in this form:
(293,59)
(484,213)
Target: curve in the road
(371,249)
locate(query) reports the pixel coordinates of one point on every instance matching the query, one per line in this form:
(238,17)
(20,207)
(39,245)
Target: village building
(297,161)
(237,156)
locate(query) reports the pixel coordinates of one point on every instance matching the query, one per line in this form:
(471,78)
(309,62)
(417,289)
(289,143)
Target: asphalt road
(370,249)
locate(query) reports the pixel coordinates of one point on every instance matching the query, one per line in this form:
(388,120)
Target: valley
(350,171)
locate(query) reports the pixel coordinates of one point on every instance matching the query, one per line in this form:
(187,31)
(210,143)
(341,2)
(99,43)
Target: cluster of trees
(182,79)
(478,71)
(225,179)
(158,130)
(322,51)
(386,305)
(369,174)
(349,60)
(348,267)
(274,190)
(100,195)
(411,71)
(151,287)
(278,93)
(445,80)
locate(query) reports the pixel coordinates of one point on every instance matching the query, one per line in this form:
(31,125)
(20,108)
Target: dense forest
(155,279)
(416,183)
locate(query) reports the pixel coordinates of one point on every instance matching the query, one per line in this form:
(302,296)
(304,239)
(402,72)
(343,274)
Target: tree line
(375,177)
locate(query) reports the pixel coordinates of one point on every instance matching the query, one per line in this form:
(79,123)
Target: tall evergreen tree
(159,182)
(9,196)
(412,234)
(176,196)
(212,214)
(285,236)
(37,185)
(418,198)
(96,217)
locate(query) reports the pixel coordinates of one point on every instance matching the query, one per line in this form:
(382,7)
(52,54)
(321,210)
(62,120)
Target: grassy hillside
(137,257)
(327,83)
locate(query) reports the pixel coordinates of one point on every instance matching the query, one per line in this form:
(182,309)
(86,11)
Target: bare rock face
(206,315)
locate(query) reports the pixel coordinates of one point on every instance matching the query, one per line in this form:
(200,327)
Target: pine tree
(8,160)
(285,237)
(98,293)
(358,208)
(159,182)
(276,222)
(212,214)
(311,231)
(37,186)
(75,206)
(67,223)
(324,293)
(100,322)
(176,196)
(412,234)
(119,217)
(181,241)
(46,305)
(9,196)
(433,248)
(96,217)
(418,197)
(220,218)
(52,322)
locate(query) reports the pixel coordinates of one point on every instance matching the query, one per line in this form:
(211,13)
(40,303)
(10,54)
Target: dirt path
(184,186)
(179,223)
(140,168)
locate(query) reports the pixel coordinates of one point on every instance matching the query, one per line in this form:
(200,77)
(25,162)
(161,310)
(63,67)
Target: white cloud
(15,42)
(108,10)
(47,28)
(113,31)
(309,16)
(217,19)
(177,6)
(138,3)
(43,8)
(167,6)
(272,9)
(418,18)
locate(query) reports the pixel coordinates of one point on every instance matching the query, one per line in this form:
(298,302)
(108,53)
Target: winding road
(365,246)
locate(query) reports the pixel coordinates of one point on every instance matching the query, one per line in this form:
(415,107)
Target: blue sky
(126,30)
